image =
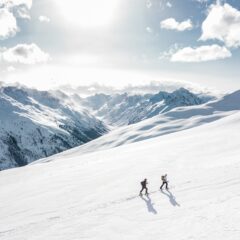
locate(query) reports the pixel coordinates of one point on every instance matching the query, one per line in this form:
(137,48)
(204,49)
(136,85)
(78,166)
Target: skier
(144,186)
(164,181)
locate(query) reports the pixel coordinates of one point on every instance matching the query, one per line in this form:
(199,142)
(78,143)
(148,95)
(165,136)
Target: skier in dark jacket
(144,186)
(164,181)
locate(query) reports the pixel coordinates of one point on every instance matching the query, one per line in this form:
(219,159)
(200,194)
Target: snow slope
(95,196)
(177,119)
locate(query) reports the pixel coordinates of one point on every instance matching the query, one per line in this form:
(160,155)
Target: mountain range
(125,109)
(175,120)
(37,124)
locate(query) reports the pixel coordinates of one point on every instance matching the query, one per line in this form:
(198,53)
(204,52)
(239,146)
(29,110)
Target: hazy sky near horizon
(46,43)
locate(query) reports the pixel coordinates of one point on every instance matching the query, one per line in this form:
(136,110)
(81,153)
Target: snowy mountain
(35,124)
(125,109)
(177,119)
(95,196)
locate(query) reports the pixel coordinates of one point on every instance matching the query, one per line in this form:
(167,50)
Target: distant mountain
(175,120)
(36,124)
(125,109)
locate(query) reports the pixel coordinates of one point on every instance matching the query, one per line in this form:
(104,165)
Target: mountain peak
(124,109)
(36,124)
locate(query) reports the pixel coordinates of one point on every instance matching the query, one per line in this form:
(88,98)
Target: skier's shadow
(149,204)
(171,197)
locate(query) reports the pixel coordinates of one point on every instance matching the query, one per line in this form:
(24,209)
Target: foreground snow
(95,196)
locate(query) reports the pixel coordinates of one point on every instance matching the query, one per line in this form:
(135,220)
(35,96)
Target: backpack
(163,178)
(143,183)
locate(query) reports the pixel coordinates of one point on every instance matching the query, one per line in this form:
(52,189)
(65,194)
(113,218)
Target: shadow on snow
(149,204)
(172,198)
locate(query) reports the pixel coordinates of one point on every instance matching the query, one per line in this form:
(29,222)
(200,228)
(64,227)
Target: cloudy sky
(45,43)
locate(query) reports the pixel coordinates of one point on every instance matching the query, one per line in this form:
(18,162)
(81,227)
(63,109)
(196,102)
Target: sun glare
(88,13)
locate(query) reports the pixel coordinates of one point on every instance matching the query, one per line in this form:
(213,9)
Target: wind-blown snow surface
(95,196)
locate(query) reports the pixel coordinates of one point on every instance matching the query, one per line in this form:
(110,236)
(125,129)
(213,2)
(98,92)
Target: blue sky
(120,42)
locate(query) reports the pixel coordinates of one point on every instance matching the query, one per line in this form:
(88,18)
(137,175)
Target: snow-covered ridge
(125,109)
(36,124)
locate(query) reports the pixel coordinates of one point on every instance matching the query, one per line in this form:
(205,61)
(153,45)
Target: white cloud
(20,8)
(8,24)
(172,24)
(22,12)
(166,55)
(201,54)
(149,30)
(9,11)
(168,4)
(44,19)
(222,23)
(14,3)
(25,54)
